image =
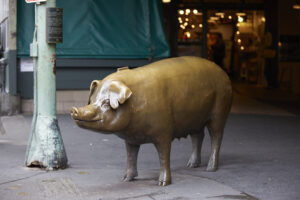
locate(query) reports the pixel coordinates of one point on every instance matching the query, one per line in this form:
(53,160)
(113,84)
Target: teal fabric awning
(117,29)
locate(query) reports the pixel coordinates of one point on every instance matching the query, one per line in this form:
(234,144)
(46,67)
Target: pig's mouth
(84,119)
(89,124)
(79,120)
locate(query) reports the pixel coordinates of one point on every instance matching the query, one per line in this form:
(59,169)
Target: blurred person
(216,48)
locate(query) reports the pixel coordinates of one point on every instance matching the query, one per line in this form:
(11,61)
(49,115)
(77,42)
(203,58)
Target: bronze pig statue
(157,103)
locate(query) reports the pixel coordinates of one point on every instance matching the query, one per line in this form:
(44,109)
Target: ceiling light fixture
(214,18)
(240,19)
(220,14)
(296,6)
(241,14)
(187,11)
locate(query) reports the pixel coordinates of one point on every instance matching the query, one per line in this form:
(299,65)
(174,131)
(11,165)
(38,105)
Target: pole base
(46,148)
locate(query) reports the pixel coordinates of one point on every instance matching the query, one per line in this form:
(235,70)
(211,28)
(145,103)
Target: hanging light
(188,34)
(240,19)
(242,48)
(181,12)
(180,20)
(240,14)
(296,5)
(200,25)
(211,21)
(263,19)
(220,14)
(195,11)
(166,1)
(229,17)
(214,18)
(237,32)
(187,11)
(193,26)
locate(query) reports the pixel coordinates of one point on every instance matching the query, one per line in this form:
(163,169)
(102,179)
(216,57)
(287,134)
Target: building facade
(261,42)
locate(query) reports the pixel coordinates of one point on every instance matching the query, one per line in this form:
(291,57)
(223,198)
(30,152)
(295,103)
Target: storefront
(238,35)
(98,37)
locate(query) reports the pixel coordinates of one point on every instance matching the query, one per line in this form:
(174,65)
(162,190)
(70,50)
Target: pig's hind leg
(132,154)
(215,129)
(195,158)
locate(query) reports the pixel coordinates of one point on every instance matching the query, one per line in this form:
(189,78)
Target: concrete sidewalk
(278,97)
(96,167)
(259,160)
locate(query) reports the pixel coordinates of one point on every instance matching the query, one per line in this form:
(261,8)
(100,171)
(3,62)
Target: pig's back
(195,69)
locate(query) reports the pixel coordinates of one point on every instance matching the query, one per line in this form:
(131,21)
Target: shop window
(240,34)
(236,41)
(254,1)
(222,1)
(190,1)
(190,32)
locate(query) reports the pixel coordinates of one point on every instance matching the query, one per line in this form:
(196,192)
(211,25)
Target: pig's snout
(74,112)
(86,113)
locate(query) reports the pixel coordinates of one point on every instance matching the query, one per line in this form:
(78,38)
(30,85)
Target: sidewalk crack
(3,183)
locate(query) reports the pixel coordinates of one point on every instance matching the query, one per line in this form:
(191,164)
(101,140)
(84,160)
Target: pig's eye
(105,103)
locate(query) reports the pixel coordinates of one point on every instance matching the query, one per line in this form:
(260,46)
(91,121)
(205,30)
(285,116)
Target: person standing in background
(216,48)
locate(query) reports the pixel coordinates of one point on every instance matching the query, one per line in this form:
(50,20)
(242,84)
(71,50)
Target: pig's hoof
(211,168)
(164,180)
(193,164)
(129,176)
(164,183)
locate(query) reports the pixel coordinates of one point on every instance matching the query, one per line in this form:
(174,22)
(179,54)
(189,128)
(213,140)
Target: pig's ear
(118,93)
(93,86)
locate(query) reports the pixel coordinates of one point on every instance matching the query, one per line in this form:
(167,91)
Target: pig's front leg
(132,153)
(164,148)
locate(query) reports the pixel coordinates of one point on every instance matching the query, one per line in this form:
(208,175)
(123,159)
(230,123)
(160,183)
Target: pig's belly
(191,122)
(183,130)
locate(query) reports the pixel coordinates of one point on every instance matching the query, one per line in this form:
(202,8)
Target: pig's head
(104,111)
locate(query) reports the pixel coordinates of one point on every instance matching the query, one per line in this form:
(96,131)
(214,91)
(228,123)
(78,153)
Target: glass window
(189,32)
(222,1)
(235,41)
(254,1)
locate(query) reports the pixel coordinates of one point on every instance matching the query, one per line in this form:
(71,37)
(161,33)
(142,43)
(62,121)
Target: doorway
(234,39)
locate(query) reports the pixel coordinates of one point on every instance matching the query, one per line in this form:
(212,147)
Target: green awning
(117,29)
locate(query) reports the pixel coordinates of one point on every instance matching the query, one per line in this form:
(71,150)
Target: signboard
(26,65)
(34,1)
(54,25)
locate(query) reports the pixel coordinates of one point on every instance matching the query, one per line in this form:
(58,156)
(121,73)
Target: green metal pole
(45,148)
